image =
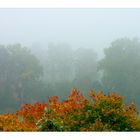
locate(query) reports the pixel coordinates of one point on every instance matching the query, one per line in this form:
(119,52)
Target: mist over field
(46,52)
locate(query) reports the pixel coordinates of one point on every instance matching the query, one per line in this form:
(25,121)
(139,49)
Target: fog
(48,52)
(95,28)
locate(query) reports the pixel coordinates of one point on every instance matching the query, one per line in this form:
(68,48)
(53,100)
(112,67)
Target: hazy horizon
(95,28)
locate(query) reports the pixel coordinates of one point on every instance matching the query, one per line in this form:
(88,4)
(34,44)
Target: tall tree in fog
(121,68)
(58,69)
(20,72)
(59,63)
(85,69)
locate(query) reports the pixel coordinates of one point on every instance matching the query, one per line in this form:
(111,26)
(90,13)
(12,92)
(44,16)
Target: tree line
(30,75)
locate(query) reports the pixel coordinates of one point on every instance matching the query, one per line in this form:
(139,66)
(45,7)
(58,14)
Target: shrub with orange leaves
(58,115)
(31,113)
(12,122)
(24,120)
(99,113)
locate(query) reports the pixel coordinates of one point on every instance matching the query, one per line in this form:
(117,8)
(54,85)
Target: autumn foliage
(98,113)
(24,119)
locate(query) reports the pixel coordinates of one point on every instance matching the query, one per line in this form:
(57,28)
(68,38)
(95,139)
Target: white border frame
(69,3)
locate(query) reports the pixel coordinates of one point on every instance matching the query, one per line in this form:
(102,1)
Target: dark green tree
(20,74)
(120,68)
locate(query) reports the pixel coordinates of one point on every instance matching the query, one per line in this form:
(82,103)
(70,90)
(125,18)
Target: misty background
(46,52)
(94,28)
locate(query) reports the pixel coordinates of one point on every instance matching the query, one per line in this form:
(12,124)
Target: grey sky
(78,27)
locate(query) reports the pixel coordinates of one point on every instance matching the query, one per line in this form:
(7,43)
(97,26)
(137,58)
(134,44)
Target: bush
(98,113)
(24,119)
